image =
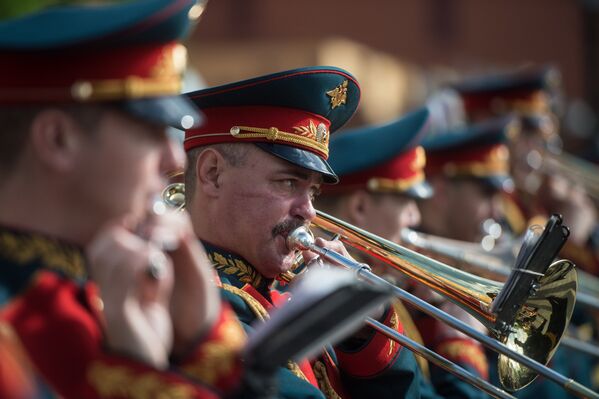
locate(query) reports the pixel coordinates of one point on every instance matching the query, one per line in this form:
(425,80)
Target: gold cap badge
(338,95)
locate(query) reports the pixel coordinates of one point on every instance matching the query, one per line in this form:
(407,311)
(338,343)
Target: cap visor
(502,183)
(174,111)
(302,158)
(422,190)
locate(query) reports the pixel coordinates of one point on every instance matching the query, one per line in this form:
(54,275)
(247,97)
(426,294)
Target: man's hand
(339,247)
(195,302)
(136,305)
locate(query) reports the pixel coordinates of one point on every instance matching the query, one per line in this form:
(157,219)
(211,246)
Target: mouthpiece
(300,238)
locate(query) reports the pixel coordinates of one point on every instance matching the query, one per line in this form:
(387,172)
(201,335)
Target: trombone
(580,170)
(527,342)
(496,262)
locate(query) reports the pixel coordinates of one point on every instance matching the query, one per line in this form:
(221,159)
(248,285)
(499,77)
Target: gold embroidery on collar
(218,356)
(110,381)
(324,384)
(255,306)
(261,314)
(24,249)
(338,95)
(296,370)
(236,267)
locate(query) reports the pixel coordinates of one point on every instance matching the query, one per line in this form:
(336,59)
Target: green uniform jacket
(376,368)
(461,350)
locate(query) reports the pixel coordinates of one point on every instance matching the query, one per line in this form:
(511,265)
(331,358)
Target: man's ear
(55,139)
(357,207)
(209,168)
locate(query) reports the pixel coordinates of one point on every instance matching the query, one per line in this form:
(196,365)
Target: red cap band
(396,175)
(288,126)
(94,74)
(481,161)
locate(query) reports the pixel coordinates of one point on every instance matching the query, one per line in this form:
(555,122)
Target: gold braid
(261,313)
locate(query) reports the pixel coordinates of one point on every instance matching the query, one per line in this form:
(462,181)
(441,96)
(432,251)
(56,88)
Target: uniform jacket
(377,368)
(52,313)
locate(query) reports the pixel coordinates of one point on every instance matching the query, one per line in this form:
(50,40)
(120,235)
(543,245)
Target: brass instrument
(173,196)
(581,171)
(497,263)
(584,172)
(526,344)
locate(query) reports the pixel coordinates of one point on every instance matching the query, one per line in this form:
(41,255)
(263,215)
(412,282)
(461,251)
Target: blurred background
(403,50)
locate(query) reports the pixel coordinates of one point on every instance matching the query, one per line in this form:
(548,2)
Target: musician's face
(262,201)
(525,159)
(469,203)
(389,213)
(121,168)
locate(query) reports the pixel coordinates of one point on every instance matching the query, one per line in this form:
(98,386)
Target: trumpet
(525,343)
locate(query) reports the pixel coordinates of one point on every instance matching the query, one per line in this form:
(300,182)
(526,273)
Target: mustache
(286,226)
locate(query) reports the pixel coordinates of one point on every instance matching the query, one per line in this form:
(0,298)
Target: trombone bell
(539,325)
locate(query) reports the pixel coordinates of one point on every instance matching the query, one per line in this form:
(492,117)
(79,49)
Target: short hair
(15,122)
(234,153)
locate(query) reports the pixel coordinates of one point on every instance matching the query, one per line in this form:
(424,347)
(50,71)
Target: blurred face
(121,167)
(389,213)
(525,159)
(469,202)
(262,201)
